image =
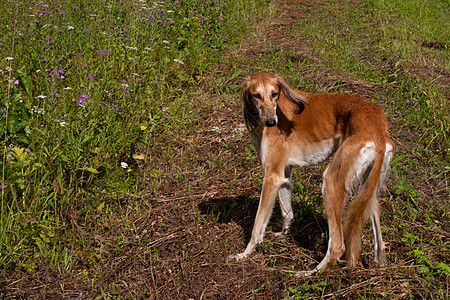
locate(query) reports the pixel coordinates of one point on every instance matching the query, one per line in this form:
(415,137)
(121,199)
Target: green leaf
(92,170)
(13,122)
(25,82)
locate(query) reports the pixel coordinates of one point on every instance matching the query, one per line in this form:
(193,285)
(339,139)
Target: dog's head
(260,94)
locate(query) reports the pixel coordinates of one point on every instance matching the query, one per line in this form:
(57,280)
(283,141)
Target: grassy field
(127,172)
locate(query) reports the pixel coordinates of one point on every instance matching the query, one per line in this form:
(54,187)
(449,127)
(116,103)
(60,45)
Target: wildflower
(172,22)
(178,61)
(144,231)
(80,101)
(67,88)
(3,187)
(143,127)
(41,97)
(63,124)
(75,7)
(151,42)
(124,165)
(137,237)
(138,79)
(9,58)
(70,27)
(115,106)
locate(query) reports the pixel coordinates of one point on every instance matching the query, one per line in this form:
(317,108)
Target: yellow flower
(143,127)
(196,21)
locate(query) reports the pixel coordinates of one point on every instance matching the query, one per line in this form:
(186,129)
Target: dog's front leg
(271,185)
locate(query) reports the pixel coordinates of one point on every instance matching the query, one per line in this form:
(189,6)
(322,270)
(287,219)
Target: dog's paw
(302,274)
(237,257)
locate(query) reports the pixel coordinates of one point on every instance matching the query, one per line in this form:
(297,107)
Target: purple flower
(100,52)
(138,79)
(172,22)
(80,102)
(159,22)
(83,96)
(3,187)
(150,16)
(75,7)
(52,47)
(115,106)
(44,60)
(151,42)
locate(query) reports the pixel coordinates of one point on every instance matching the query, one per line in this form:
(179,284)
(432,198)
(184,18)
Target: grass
(87,88)
(126,170)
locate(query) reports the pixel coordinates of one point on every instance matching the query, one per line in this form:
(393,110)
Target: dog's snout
(271,122)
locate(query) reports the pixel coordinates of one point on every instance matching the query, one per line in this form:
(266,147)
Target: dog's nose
(271,122)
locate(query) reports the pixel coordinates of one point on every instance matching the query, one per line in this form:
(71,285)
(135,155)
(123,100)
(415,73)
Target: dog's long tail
(362,206)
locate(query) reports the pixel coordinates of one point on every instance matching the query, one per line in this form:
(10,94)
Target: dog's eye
(257,96)
(274,95)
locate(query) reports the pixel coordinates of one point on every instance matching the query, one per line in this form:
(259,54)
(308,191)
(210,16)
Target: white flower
(63,124)
(67,88)
(9,58)
(178,61)
(165,109)
(70,27)
(166,42)
(123,164)
(41,97)
(216,129)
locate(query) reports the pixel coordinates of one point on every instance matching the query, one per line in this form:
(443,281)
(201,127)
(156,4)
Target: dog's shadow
(308,230)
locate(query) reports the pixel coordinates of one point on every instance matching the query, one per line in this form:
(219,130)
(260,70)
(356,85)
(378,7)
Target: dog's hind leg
(379,249)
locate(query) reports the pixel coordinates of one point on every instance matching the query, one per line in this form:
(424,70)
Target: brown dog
(290,128)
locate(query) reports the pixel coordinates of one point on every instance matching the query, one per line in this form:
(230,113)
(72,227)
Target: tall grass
(86,86)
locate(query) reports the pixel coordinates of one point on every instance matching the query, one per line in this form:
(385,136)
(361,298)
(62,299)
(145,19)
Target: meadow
(127,172)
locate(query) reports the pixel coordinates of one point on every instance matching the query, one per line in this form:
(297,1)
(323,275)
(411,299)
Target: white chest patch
(311,155)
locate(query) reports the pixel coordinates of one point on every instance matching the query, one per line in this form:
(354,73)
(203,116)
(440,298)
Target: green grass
(86,88)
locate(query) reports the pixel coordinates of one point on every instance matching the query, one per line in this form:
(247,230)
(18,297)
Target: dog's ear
(250,112)
(292,94)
